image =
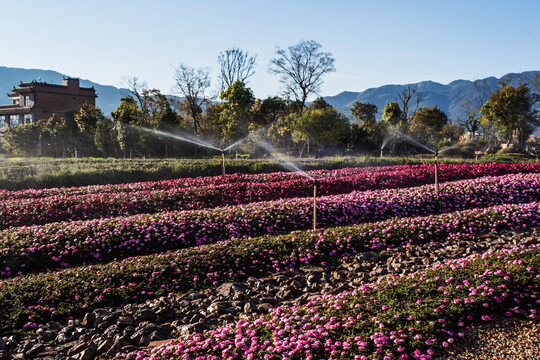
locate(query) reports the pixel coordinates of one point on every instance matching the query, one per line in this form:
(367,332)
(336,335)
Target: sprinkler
(223,162)
(315,184)
(381,153)
(436,173)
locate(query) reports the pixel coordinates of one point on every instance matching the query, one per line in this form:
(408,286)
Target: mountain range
(449,98)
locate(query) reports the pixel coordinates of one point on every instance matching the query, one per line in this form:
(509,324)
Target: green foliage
(58,135)
(391,113)
(364,112)
(321,127)
(104,137)
(433,119)
(126,114)
(319,104)
(511,111)
(235,115)
(87,119)
(22,139)
(426,127)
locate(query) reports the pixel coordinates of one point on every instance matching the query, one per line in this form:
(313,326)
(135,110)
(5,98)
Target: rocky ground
(104,332)
(502,339)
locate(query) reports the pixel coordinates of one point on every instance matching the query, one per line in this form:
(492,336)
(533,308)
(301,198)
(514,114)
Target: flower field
(29,207)
(67,251)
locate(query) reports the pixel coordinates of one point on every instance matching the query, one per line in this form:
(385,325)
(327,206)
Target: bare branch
(192,83)
(235,64)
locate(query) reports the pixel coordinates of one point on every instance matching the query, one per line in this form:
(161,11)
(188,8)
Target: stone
(34,350)
(125,321)
(104,346)
(144,315)
(77,348)
(54,325)
(198,328)
(144,336)
(45,335)
(114,349)
(216,308)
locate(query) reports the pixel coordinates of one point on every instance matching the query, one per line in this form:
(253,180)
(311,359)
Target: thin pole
(314,205)
(381,153)
(436,176)
(223,163)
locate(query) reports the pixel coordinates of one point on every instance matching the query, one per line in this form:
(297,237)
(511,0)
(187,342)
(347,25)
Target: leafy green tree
(431,118)
(125,116)
(427,124)
(164,119)
(236,110)
(452,133)
(321,127)
(364,113)
(22,139)
(319,103)
(87,119)
(301,68)
(266,114)
(511,110)
(391,113)
(105,138)
(58,135)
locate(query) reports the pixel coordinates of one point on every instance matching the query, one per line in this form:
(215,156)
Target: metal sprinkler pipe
(315,184)
(223,163)
(381,153)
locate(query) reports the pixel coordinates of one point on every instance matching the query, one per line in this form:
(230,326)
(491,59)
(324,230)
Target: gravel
(502,339)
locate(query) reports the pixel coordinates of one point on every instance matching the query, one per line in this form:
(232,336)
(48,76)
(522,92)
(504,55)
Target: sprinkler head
(316,182)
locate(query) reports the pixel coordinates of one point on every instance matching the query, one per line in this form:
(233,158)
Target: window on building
(2,121)
(27,100)
(13,120)
(28,119)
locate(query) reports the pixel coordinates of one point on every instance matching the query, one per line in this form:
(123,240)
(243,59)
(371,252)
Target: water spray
(315,184)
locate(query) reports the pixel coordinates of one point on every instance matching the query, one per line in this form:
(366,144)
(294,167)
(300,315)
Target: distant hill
(447,97)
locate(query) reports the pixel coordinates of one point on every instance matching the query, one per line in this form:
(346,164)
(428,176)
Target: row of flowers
(184,194)
(210,181)
(51,246)
(27,300)
(31,207)
(406,318)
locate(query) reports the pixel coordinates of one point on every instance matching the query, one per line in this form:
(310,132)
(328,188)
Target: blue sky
(374,42)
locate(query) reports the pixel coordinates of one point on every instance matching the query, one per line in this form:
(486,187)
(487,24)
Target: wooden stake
(436,176)
(223,163)
(314,204)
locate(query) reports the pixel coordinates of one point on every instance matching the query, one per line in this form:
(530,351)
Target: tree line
(149,123)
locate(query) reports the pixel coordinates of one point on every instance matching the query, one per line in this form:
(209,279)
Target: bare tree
(405,98)
(136,87)
(235,64)
(192,83)
(301,68)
